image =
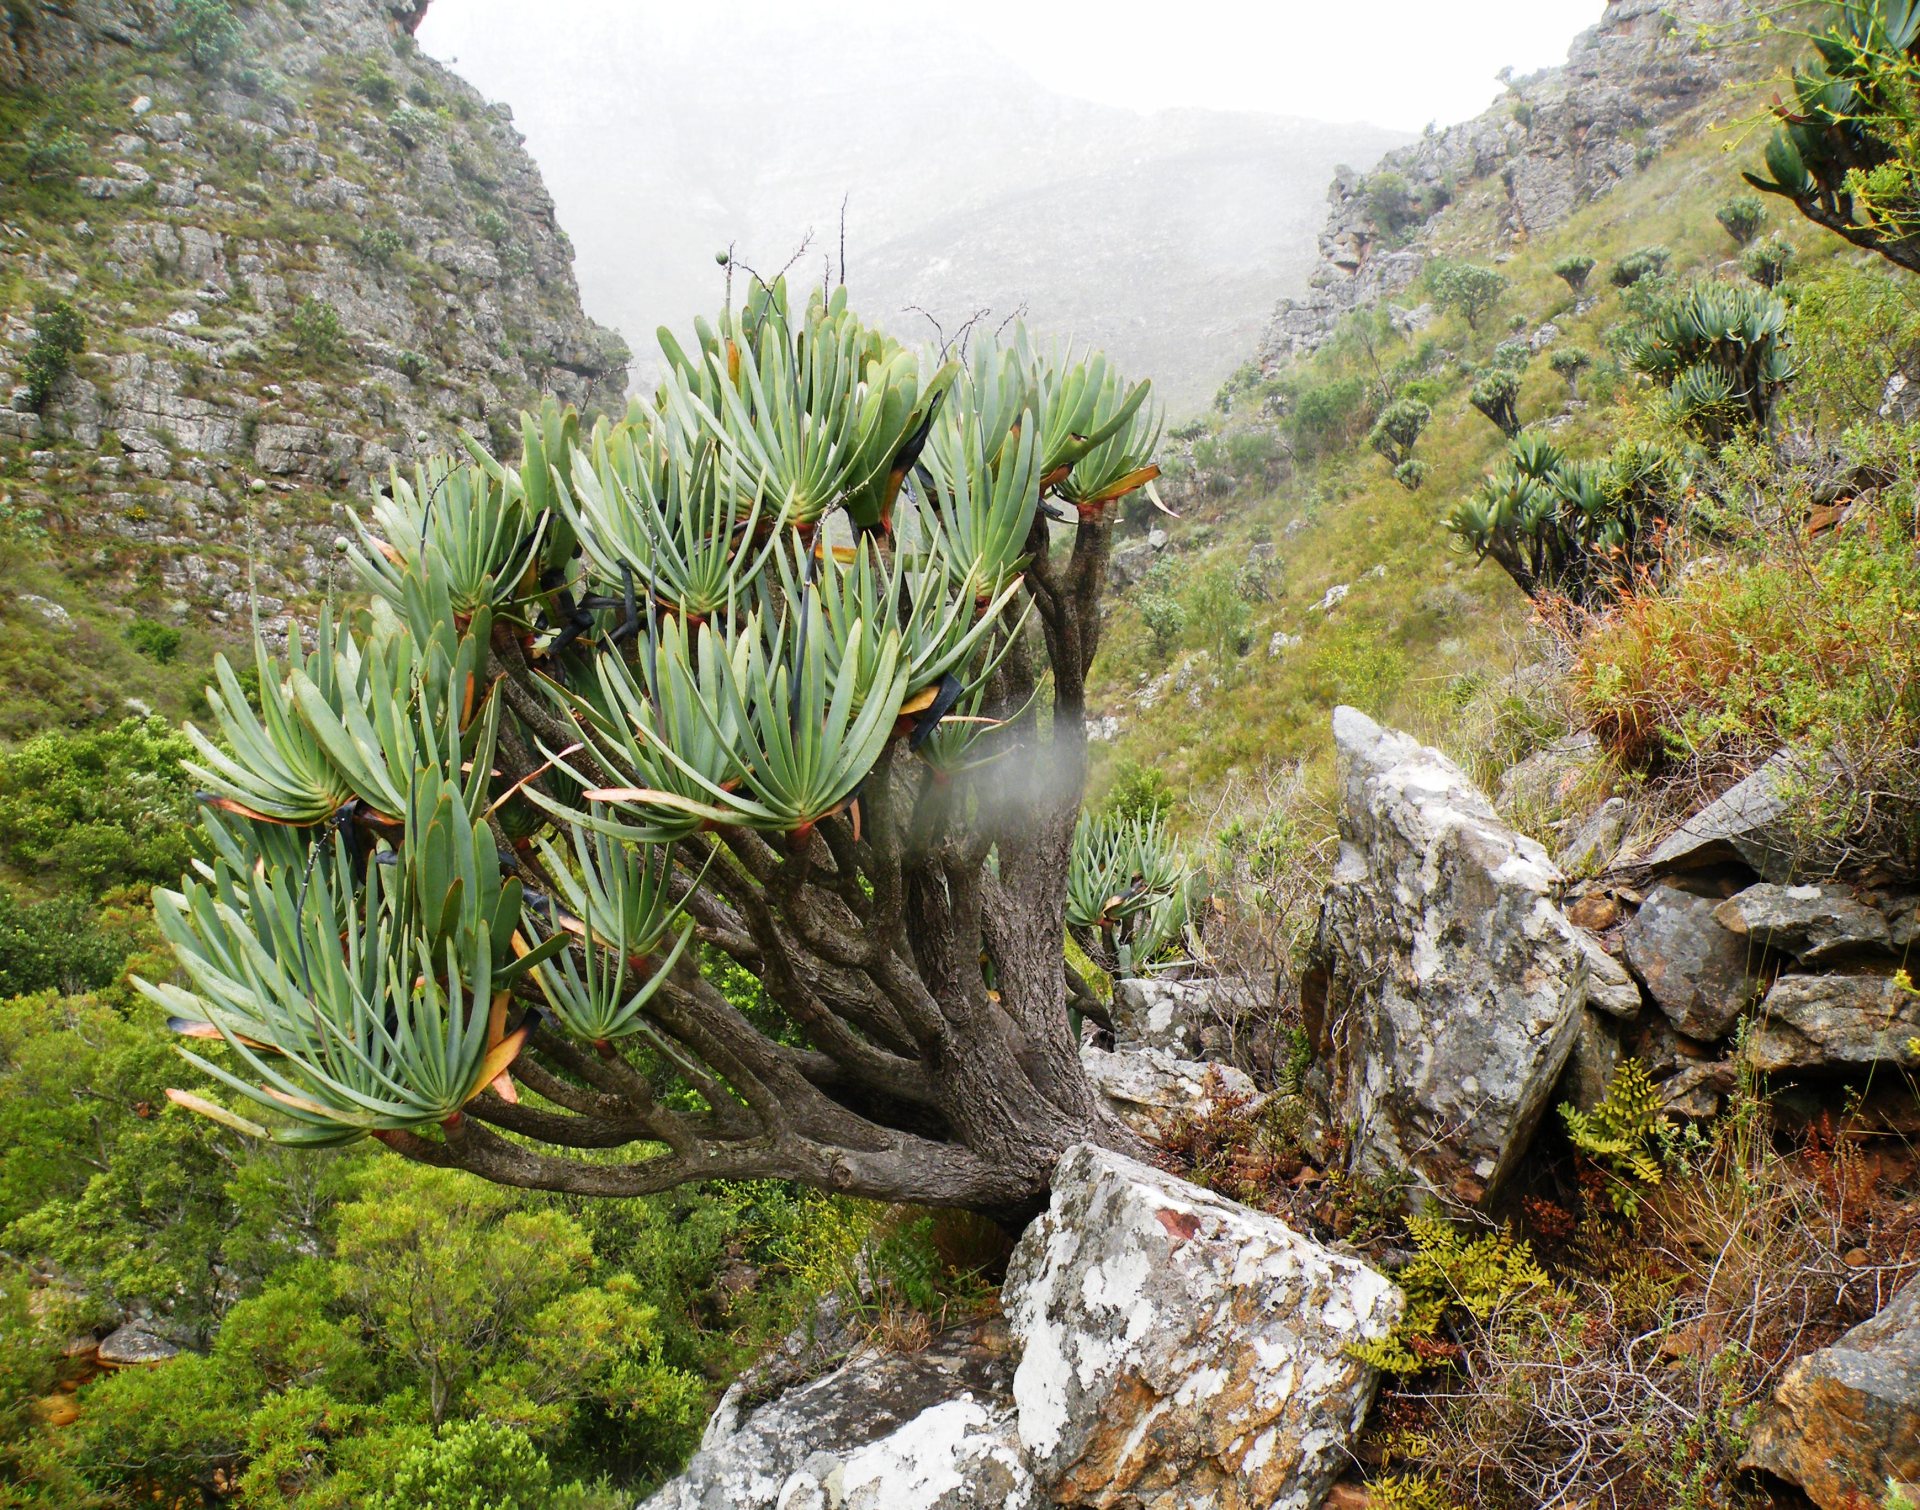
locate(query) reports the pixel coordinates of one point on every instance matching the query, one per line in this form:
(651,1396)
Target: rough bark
(915,1043)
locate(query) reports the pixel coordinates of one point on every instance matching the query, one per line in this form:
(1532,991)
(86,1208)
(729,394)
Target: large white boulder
(1182,1352)
(931,1430)
(1447,986)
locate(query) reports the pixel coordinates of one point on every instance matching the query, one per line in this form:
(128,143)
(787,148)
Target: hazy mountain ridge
(1162,236)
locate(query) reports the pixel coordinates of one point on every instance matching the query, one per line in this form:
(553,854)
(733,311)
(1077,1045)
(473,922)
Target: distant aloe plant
(1394,435)
(788,666)
(1574,270)
(1721,351)
(1127,891)
(1497,396)
(1580,530)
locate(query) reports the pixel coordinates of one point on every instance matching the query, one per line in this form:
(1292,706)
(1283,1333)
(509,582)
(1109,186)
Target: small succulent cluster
(1128,891)
(1721,351)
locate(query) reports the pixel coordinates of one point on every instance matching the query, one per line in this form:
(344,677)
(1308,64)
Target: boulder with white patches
(1182,1352)
(1446,987)
(931,1430)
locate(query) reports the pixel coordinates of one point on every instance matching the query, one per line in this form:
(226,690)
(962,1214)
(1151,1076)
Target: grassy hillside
(1282,465)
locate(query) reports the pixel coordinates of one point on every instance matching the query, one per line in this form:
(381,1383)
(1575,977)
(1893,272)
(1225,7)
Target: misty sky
(1398,63)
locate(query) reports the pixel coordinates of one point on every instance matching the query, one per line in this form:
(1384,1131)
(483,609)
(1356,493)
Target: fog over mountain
(1164,237)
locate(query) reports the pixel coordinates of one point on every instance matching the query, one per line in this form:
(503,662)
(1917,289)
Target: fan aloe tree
(785,668)
(1848,145)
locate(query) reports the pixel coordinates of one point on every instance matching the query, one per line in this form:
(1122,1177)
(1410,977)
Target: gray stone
(1187,1018)
(1610,988)
(1752,822)
(1446,986)
(1699,974)
(1593,845)
(1547,778)
(1845,1421)
(1697,1089)
(132,1345)
(1834,1021)
(49,610)
(1812,923)
(1178,1350)
(1595,1058)
(931,1430)
(1150,1088)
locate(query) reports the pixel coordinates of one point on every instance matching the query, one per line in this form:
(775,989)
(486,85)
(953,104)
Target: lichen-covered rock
(1834,1021)
(1181,1352)
(1812,923)
(1846,1420)
(1190,1019)
(1701,975)
(930,1430)
(133,1345)
(1550,776)
(1610,987)
(1446,985)
(1150,1088)
(1592,846)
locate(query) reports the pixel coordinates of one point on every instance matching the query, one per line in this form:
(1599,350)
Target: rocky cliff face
(1559,139)
(298,257)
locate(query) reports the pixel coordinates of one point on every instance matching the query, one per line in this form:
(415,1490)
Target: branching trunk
(915,1043)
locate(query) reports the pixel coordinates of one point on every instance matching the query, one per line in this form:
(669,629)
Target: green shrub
(1139,792)
(1513,355)
(1323,414)
(472,1465)
(413,364)
(156,641)
(107,807)
(383,245)
(1463,287)
(1165,617)
(317,332)
(58,945)
(1812,651)
(377,85)
(1853,329)
(1638,266)
(1252,453)
(493,225)
(1221,615)
(58,337)
(54,152)
(413,126)
(1573,270)
(207,30)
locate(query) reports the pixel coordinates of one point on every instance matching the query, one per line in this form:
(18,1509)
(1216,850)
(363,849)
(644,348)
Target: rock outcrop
(931,1429)
(1447,987)
(1846,1420)
(295,266)
(1700,973)
(1163,1348)
(1150,1088)
(1177,1349)
(1559,139)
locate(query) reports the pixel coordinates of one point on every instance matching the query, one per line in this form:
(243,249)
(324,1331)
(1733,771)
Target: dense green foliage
(1471,290)
(58,337)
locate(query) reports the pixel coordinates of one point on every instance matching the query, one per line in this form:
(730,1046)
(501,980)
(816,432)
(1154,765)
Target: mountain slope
(296,258)
(1346,586)
(1158,236)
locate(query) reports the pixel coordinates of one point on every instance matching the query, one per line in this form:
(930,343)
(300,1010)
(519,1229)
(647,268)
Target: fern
(1622,1133)
(1407,1491)
(1448,1272)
